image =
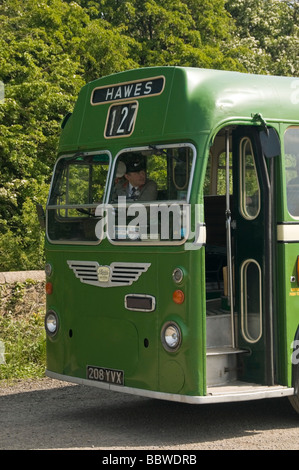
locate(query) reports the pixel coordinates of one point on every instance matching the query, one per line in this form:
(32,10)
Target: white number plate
(101,374)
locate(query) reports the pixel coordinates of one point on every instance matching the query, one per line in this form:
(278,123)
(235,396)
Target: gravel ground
(46,414)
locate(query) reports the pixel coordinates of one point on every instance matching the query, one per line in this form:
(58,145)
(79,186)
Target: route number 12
(121,120)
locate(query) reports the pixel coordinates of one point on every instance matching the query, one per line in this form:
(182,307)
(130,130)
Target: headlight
(171,336)
(177,275)
(48,269)
(51,323)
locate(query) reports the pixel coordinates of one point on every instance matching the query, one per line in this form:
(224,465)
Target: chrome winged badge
(117,274)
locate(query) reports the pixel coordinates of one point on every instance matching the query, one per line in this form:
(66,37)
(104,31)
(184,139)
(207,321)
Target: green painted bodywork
(95,328)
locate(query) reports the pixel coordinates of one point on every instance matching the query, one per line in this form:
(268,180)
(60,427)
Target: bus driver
(134,184)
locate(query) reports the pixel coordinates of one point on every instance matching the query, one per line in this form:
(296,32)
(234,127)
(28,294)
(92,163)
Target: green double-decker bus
(172,237)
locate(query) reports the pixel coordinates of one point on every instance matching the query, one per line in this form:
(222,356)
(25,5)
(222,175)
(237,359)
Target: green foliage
(267,35)
(22,333)
(24,346)
(50,48)
(173,32)
(41,82)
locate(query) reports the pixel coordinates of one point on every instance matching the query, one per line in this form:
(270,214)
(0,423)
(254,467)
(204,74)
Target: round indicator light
(49,288)
(178,296)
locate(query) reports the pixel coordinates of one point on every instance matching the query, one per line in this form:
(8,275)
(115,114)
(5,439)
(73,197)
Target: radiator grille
(117,274)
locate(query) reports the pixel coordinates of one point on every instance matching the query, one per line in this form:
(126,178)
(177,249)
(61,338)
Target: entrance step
(222,365)
(219,330)
(240,391)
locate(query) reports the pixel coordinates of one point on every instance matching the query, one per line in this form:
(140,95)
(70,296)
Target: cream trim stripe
(288,232)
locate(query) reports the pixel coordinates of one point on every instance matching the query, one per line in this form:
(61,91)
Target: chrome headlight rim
(51,323)
(48,269)
(178,275)
(171,342)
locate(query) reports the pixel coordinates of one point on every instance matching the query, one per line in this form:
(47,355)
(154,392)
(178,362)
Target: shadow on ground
(75,416)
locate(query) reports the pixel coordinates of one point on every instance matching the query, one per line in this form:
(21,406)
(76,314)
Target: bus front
(121,246)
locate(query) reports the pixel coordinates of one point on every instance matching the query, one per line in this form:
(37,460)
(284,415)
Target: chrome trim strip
(142,296)
(258,394)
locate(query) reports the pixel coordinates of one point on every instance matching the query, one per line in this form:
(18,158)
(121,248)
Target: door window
(291,150)
(249,185)
(251,306)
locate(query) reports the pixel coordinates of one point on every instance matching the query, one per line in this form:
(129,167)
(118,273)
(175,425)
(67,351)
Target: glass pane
(80,180)
(251,301)
(155,173)
(291,149)
(142,180)
(78,187)
(250,190)
(221,176)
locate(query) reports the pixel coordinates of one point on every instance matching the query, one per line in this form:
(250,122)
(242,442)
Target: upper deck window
(291,149)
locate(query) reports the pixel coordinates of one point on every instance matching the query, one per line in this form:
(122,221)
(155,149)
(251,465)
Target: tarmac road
(46,414)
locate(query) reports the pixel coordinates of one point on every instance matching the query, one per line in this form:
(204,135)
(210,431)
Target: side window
(291,150)
(221,178)
(249,185)
(215,180)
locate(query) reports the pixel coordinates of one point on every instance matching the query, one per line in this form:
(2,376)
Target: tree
(267,35)
(43,66)
(50,48)
(171,32)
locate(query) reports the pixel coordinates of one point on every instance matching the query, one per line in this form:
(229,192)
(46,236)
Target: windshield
(148,191)
(153,173)
(142,202)
(78,188)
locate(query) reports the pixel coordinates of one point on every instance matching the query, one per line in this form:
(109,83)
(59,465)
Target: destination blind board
(121,119)
(128,90)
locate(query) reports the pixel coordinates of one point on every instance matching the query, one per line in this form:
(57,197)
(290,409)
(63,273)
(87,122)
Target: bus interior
(235,319)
